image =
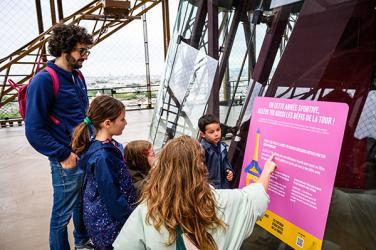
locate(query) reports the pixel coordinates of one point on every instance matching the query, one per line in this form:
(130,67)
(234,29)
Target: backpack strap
(55,88)
(14,85)
(55,80)
(18,87)
(183,242)
(38,64)
(80,75)
(179,239)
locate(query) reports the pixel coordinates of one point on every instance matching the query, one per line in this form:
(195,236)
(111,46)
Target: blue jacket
(217,162)
(69,107)
(109,195)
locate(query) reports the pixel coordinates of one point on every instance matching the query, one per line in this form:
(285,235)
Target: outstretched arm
(266,172)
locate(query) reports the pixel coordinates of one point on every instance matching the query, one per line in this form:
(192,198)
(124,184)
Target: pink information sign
(306,137)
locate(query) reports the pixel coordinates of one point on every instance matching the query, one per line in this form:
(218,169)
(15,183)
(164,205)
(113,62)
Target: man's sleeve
(40,99)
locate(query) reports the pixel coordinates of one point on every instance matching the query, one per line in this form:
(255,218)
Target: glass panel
(184,94)
(330,57)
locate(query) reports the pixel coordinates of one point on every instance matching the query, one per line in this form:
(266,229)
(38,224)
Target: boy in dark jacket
(219,167)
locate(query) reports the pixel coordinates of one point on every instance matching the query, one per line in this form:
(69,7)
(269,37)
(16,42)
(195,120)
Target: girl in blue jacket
(109,194)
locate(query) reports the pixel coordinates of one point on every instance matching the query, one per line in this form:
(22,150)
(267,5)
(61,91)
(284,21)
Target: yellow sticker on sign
(289,233)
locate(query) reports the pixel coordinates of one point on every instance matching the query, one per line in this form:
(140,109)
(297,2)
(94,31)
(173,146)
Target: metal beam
(270,45)
(22,54)
(261,74)
(107,18)
(40,25)
(60,10)
(53,12)
(166,25)
(118,25)
(213,28)
(240,11)
(147,63)
(252,49)
(198,24)
(267,54)
(213,51)
(39,16)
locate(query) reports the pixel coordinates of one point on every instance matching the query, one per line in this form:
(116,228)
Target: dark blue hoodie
(217,163)
(109,194)
(69,107)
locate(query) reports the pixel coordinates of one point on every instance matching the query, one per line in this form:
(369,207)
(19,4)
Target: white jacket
(238,208)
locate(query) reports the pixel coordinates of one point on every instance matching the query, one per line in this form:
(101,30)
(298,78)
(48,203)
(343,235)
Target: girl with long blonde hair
(178,203)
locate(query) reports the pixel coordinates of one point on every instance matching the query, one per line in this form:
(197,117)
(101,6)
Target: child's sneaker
(88,245)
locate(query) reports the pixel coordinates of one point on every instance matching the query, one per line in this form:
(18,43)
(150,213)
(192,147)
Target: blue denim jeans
(67,186)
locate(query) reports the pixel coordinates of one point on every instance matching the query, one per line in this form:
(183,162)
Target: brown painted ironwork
(28,54)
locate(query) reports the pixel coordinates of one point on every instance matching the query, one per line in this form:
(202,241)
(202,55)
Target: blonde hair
(177,193)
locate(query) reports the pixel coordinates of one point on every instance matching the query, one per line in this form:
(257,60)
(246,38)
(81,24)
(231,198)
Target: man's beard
(73,62)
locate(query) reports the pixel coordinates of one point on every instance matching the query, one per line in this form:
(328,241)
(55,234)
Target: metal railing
(135,97)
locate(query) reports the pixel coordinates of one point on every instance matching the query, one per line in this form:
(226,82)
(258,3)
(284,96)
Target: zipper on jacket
(79,92)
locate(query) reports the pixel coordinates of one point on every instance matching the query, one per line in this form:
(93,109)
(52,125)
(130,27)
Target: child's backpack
(22,92)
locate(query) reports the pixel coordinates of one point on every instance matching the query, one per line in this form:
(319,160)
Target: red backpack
(22,92)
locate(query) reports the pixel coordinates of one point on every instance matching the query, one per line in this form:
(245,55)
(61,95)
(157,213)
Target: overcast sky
(120,54)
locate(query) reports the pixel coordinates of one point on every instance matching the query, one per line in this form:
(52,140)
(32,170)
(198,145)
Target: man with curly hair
(49,121)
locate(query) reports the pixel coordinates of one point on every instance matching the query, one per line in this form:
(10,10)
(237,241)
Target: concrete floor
(26,189)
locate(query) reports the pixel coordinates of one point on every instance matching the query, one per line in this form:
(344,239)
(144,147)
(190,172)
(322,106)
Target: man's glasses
(84,51)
